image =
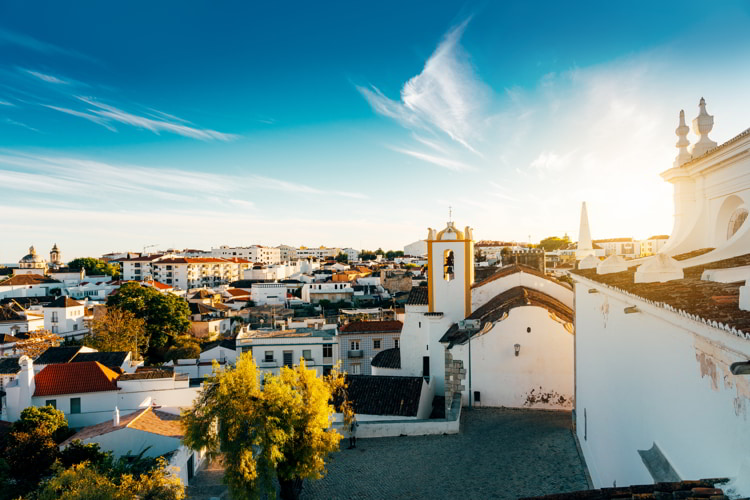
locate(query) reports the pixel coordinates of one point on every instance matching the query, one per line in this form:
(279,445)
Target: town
(320,251)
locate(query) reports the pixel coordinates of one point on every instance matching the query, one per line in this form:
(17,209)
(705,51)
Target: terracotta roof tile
(389,358)
(64,302)
(146,420)
(384,395)
(418,296)
(703,488)
(690,294)
(75,378)
(372,326)
(499,305)
(27,279)
(517,268)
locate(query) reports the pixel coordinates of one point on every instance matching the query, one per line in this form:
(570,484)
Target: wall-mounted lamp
(593,290)
(517,348)
(632,310)
(740,368)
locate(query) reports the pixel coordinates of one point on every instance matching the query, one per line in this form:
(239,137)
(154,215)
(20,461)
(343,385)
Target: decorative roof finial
(450,213)
(702,125)
(682,141)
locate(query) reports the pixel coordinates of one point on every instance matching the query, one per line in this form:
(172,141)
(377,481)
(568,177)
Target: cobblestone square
(499,453)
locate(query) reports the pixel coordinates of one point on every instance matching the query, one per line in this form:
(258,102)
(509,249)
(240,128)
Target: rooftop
(74,378)
(9,366)
(715,302)
(64,302)
(501,304)
(57,355)
(372,327)
(147,375)
(389,358)
(146,420)
(27,279)
(703,488)
(384,395)
(291,332)
(418,296)
(517,268)
(113,360)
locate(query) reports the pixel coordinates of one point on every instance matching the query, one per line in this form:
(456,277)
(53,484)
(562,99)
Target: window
(376,343)
(288,360)
(356,369)
(54,316)
(354,345)
(395,343)
(307,354)
(75,405)
(328,351)
(75,327)
(54,329)
(51,402)
(268,358)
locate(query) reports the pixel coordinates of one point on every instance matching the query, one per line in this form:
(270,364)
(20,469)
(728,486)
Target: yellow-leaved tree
(280,428)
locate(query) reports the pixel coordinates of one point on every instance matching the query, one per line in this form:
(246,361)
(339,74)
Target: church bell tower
(450,261)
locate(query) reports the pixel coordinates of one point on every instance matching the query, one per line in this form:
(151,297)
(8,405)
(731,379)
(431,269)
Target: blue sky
(343,124)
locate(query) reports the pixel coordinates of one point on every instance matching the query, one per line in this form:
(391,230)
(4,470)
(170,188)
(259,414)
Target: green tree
(94,266)
(118,330)
(46,419)
(554,243)
(184,348)
(392,254)
(282,428)
(342,258)
(166,315)
(367,255)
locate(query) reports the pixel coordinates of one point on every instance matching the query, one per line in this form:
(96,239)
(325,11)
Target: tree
(118,330)
(94,266)
(166,315)
(392,254)
(342,258)
(554,243)
(184,348)
(36,343)
(46,419)
(84,482)
(281,429)
(367,255)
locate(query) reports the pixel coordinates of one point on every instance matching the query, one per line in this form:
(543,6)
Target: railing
(355,353)
(268,363)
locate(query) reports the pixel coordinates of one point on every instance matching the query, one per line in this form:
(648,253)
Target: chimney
(26,382)
(116,417)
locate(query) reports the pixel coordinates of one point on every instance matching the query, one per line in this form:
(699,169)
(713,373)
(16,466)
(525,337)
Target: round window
(736,221)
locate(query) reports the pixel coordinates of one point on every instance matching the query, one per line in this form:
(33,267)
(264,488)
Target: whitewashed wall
(541,376)
(656,377)
(483,294)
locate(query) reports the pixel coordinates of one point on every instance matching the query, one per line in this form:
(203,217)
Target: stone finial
(585,245)
(682,141)
(702,125)
(658,269)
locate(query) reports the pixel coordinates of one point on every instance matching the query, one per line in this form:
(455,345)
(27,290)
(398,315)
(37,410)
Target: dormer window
(448,265)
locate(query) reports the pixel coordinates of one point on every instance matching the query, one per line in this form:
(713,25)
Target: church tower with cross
(450,257)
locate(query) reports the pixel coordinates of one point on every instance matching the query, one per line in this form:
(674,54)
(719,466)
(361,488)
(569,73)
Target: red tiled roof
(193,260)
(27,279)
(158,284)
(372,326)
(75,378)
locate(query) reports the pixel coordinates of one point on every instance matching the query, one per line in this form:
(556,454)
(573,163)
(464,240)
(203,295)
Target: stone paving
(499,453)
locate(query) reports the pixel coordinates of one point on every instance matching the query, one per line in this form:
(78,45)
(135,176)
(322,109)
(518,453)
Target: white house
(88,392)
(273,294)
(416,249)
(272,349)
(361,341)
(351,254)
(64,316)
(29,285)
(656,334)
(15,320)
(152,431)
(315,292)
(254,253)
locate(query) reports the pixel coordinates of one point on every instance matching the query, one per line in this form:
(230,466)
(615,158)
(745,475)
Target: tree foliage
(342,258)
(118,330)
(184,348)
(166,315)
(554,243)
(46,419)
(282,428)
(94,267)
(392,254)
(367,255)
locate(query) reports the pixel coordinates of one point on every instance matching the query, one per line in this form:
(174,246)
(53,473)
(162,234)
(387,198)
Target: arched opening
(448,265)
(735,221)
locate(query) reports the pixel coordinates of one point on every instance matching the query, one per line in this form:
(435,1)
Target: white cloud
(447,96)
(440,161)
(87,116)
(47,78)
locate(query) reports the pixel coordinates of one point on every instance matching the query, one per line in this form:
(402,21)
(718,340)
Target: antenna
(149,246)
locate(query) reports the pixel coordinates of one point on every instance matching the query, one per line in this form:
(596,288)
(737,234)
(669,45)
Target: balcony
(355,354)
(268,363)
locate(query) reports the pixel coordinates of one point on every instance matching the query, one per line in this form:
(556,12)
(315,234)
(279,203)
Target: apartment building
(254,253)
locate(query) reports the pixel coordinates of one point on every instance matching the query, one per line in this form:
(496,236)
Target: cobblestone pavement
(499,453)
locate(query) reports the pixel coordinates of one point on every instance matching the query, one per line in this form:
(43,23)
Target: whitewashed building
(254,253)
(660,332)
(65,317)
(334,292)
(272,349)
(416,249)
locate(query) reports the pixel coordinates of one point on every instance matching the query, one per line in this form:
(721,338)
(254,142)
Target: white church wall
(449,295)
(540,377)
(483,294)
(656,377)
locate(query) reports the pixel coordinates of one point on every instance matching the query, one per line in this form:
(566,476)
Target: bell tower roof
(449,233)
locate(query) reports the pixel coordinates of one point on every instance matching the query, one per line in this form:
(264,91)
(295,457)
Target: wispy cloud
(447,96)
(20,124)
(6,103)
(87,116)
(111,113)
(440,161)
(27,42)
(47,78)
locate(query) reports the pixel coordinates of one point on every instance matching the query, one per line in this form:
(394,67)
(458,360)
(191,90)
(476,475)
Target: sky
(197,124)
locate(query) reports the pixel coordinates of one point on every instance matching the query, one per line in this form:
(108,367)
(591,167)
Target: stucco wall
(656,377)
(483,294)
(541,376)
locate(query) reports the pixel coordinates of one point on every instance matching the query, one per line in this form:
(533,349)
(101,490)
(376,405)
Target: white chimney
(26,382)
(116,417)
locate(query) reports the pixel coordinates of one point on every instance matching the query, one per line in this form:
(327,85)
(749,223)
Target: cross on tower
(450,213)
